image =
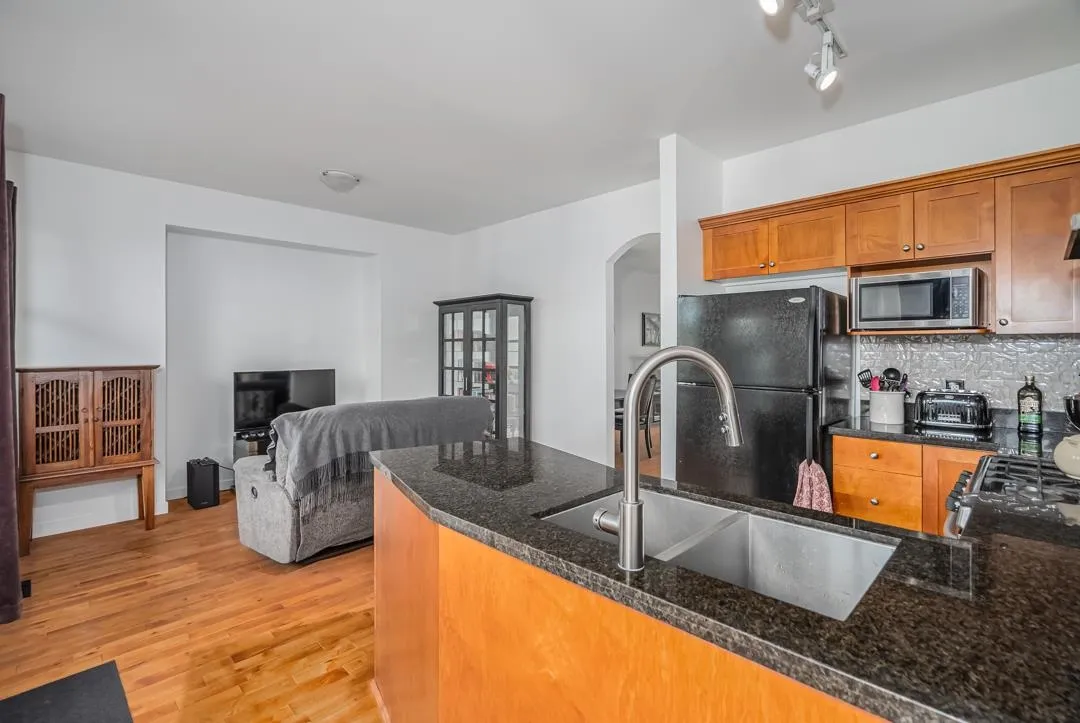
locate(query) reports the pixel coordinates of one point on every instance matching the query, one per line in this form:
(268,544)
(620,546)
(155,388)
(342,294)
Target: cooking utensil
(875,384)
(903,383)
(864,378)
(891,379)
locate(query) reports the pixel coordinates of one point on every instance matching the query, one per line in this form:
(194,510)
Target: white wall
(637,292)
(564,257)
(1012,119)
(229,308)
(91,287)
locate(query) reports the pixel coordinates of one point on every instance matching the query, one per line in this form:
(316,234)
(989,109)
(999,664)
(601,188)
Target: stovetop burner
(1018,485)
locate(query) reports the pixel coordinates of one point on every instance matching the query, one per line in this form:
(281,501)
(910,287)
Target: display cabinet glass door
(452,343)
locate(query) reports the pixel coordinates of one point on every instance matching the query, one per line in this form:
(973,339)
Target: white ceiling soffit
(462,114)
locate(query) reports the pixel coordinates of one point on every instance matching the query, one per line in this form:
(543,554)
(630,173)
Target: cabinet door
(485,366)
(54,411)
(741,249)
(1038,292)
(452,353)
(881,230)
(941,467)
(807,240)
(955,220)
(123,426)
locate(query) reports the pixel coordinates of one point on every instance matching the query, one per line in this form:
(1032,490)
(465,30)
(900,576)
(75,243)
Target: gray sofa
(315,488)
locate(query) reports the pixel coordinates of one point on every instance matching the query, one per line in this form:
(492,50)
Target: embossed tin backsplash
(991,364)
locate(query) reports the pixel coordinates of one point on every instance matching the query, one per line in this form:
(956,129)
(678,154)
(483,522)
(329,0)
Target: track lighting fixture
(771,7)
(822,66)
(824,71)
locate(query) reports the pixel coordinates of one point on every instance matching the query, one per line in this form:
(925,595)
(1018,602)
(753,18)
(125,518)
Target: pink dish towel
(813,491)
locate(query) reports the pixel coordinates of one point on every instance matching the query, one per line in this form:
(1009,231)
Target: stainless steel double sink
(817,569)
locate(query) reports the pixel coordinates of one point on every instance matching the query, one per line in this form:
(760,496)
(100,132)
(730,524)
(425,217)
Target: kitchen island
(485,611)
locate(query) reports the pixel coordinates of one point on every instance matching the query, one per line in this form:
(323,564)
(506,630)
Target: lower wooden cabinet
(941,468)
(896,483)
(882,497)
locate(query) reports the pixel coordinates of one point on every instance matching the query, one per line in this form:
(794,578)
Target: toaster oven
(952,409)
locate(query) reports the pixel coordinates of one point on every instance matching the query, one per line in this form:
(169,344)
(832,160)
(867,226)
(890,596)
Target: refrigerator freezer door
(780,430)
(763,339)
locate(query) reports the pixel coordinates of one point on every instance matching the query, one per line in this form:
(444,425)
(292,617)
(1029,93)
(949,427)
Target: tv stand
(250,442)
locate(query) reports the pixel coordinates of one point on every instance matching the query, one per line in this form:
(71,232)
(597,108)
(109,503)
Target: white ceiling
(460,114)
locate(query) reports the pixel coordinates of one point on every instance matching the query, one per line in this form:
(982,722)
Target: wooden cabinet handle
(874,501)
(772,263)
(906,247)
(761,266)
(873,455)
(919,247)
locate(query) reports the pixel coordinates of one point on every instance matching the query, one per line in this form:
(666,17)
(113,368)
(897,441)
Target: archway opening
(633,334)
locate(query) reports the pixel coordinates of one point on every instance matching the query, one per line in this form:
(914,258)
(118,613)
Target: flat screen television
(259,397)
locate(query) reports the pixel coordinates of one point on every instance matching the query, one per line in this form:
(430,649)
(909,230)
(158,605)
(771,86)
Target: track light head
(824,73)
(771,7)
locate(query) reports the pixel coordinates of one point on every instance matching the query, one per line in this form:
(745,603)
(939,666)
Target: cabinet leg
(146,495)
(25,499)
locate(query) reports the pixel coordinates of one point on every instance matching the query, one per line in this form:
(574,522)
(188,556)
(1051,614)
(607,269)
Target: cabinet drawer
(882,497)
(873,454)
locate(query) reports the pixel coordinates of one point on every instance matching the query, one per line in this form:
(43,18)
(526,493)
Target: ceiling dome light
(771,7)
(339,181)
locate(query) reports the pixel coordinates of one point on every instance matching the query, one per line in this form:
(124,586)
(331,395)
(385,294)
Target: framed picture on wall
(650,329)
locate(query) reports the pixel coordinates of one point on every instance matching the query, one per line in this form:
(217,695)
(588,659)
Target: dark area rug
(92,696)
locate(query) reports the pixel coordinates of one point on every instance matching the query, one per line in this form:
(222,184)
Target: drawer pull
(873,455)
(874,501)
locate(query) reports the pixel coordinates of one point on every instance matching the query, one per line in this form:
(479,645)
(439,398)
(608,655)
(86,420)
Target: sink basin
(820,570)
(816,569)
(671,524)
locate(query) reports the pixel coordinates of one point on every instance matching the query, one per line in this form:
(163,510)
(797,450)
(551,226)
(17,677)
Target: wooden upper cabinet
(955,220)
(807,240)
(881,230)
(1038,292)
(741,249)
(941,468)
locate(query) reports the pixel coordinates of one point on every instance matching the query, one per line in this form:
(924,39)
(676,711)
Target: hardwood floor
(646,465)
(201,628)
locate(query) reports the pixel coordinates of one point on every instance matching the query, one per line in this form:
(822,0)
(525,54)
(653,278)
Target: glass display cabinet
(484,352)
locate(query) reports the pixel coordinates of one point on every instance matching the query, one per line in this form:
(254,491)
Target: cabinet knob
(907,247)
(873,455)
(874,501)
(1003,322)
(772,263)
(761,266)
(919,247)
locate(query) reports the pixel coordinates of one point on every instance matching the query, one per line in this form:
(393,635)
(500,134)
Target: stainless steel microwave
(921,300)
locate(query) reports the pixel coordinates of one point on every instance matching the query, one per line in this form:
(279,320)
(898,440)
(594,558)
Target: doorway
(633,337)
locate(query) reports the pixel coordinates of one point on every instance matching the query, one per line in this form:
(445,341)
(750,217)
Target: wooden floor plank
(200,627)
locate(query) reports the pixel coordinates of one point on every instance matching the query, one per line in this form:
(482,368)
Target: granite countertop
(1002,437)
(983,628)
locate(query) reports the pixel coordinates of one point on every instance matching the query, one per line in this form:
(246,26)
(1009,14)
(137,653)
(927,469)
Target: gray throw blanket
(330,445)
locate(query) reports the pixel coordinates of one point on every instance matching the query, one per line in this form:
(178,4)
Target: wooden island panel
(406,607)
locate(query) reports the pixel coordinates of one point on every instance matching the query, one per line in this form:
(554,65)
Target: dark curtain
(10,590)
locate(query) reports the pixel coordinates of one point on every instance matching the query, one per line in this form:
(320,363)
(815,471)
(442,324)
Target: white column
(690,188)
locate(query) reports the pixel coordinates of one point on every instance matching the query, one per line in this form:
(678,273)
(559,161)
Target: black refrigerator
(789,357)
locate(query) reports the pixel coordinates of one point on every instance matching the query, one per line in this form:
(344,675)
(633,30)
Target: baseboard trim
(377,695)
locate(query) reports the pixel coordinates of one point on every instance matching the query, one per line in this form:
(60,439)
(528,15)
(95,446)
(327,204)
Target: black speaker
(203,484)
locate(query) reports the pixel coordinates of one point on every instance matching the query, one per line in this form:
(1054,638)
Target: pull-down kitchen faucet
(628,523)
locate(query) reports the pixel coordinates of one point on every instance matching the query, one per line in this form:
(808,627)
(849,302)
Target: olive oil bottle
(1029,407)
